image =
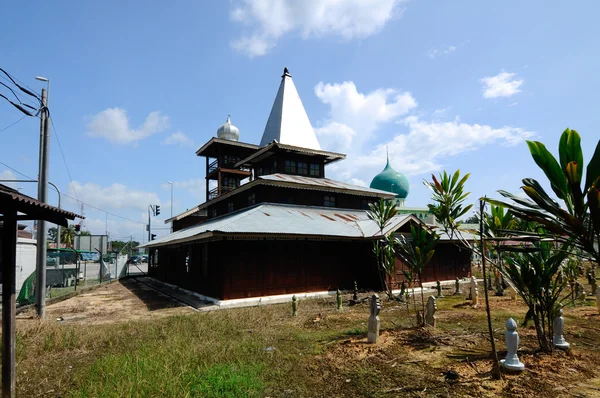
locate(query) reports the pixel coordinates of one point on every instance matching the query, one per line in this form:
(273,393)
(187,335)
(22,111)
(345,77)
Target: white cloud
(421,145)
(113,197)
(354,115)
(113,124)
(503,84)
(268,20)
(180,139)
(195,186)
(436,52)
(8,175)
(427,143)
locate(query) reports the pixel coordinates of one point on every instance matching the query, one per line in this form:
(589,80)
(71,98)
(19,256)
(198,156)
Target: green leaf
(593,168)
(569,150)
(544,159)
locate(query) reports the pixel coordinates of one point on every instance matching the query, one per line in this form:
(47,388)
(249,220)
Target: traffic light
(157,211)
(77,227)
(153,236)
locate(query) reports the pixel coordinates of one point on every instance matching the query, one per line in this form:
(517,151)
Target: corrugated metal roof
(216,140)
(322,183)
(301,182)
(17,197)
(279,219)
(186,213)
(330,157)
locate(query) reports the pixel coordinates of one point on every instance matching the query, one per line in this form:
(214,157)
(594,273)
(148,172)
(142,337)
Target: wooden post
(9,251)
(206,177)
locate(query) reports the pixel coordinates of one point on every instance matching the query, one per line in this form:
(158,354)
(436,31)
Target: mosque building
(273,224)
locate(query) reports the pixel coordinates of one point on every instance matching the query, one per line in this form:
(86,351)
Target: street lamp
(45,79)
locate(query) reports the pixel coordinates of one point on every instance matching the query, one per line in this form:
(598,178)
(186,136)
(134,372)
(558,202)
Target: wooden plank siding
(253,268)
(448,262)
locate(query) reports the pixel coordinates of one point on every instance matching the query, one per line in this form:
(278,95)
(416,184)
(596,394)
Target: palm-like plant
(496,224)
(418,252)
(578,222)
(449,196)
(382,213)
(67,235)
(532,275)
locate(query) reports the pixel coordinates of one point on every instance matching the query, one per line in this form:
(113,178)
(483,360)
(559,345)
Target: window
(364,204)
(229,160)
(229,207)
(213,213)
(315,170)
(230,182)
(329,201)
(251,199)
(302,168)
(290,166)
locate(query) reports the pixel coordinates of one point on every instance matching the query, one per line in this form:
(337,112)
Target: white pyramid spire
(288,122)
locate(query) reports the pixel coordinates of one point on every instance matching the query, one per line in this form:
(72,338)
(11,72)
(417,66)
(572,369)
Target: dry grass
(264,351)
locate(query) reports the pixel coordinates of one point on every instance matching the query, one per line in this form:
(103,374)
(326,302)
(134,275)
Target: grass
(264,351)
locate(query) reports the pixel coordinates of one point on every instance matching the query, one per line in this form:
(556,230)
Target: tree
(85,233)
(474,219)
(532,274)
(578,223)
(382,213)
(67,235)
(449,197)
(119,245)
(52,233)
(417,253)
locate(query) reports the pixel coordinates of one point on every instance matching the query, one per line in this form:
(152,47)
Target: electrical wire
(77,200)
(63,157)
(12,124)
(28,90)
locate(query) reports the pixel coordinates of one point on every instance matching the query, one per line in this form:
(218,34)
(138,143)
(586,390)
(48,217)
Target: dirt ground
(415,361)
(330,357)
(122,301)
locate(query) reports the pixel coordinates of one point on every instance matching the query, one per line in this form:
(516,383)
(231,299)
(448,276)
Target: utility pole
(40,296)
(149,233)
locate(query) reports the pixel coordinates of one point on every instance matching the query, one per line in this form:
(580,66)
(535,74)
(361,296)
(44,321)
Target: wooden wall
(252,268)
(305,197)
(448,262)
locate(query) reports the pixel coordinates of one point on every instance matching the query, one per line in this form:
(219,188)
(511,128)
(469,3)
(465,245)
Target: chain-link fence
(68,270)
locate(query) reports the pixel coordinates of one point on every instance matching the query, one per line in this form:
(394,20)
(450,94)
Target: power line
(63,157)
(77,200)
(12,124)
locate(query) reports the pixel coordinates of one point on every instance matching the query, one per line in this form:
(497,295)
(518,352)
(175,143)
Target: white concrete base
(248,302)
(562,345)
(278,299)
(513,367)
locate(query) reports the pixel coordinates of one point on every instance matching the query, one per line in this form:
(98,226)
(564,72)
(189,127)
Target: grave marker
(374,323)
(511,362)
(430,318)
(559,328)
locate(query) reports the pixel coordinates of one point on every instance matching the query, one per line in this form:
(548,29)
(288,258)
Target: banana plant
(578,222)
(382,213)
(418,252)
(532,275)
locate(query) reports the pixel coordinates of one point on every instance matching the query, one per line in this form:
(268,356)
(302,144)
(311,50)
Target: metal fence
(68,270)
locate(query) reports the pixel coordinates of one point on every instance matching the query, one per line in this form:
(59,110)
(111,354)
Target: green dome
(392,181)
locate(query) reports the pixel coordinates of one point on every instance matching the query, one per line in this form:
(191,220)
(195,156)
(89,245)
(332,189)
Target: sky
(138,86)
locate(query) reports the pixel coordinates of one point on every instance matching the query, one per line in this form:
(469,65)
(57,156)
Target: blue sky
(137,87)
